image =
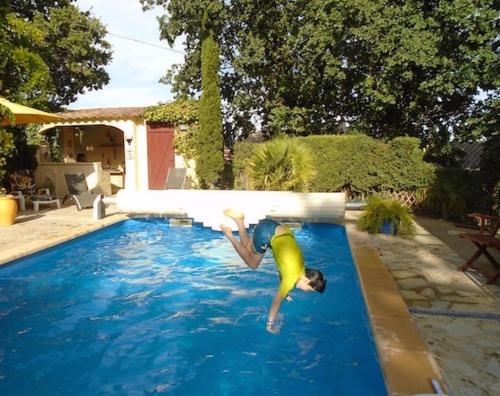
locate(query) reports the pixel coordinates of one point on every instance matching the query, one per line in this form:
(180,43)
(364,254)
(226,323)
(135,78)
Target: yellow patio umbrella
(25,114)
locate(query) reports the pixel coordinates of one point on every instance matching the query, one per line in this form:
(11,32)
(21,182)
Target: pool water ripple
(142,308)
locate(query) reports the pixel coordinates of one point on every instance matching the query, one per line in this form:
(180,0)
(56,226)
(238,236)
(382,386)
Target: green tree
(387,67)
(75,52)
(50,51)
(485,122)
(209,141)
(28,8)
(6,141)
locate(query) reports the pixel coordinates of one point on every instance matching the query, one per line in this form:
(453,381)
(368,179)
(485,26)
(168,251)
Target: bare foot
(226,230)
(234,214)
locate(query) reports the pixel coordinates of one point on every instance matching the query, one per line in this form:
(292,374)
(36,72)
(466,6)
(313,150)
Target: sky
(136,68)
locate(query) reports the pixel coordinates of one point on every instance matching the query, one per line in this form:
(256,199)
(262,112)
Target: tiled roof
(116,113)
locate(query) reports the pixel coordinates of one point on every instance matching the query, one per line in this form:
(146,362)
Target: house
(114,147)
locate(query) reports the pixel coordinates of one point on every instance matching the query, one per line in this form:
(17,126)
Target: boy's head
(315,280)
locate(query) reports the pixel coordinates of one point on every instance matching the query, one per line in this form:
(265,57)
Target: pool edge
(407,365)
(43,244)
(406,362)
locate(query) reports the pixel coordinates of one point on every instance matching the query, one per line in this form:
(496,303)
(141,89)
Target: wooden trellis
(407,198)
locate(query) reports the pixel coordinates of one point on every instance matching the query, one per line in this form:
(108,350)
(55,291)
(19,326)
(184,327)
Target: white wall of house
(97,178)
(141,157)
(129,128)
(134,155)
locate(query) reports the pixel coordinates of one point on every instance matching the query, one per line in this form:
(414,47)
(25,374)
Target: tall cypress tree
(209,140)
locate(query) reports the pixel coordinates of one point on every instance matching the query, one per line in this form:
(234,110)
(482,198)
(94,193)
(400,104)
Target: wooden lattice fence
(407,198)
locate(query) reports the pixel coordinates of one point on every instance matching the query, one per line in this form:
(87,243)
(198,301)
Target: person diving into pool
(286,252)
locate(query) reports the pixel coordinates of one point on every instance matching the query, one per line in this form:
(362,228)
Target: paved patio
(34,231)
(424,268)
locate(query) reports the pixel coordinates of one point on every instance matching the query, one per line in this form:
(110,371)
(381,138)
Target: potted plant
(387,216)
(8,208)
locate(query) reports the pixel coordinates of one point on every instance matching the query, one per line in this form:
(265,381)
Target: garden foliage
(50,51)
(379,211)
(280,165)
(355,163)
(180,113)
(453,193)
(390,68)
(209,140)
(175,113)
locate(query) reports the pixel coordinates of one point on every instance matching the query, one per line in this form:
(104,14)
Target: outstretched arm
(273,313)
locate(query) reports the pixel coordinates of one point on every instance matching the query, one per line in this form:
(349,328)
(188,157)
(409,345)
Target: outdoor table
(36,204)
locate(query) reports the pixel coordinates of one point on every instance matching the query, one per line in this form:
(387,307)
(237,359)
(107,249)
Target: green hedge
(355,163)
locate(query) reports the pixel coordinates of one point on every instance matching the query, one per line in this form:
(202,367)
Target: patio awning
(26,115)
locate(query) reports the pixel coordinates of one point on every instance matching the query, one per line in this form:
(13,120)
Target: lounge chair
(177,179)
(485,239)
(78,190)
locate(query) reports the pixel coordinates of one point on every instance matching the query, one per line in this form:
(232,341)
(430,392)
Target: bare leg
(239,219)
(249,257)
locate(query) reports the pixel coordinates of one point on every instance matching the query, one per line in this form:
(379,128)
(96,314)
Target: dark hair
(316,279)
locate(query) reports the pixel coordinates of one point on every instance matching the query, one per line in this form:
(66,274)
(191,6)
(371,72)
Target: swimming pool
(144,308)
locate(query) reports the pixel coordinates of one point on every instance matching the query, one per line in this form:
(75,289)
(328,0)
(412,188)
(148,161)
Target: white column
(142,157)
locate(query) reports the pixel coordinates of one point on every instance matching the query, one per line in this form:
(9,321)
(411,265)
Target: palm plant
(280,165)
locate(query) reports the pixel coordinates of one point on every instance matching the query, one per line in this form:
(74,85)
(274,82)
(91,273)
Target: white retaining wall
(206,206)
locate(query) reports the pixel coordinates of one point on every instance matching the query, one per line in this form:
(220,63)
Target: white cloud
(135,68)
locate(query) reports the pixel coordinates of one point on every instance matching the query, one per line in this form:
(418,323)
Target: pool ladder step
(181,222)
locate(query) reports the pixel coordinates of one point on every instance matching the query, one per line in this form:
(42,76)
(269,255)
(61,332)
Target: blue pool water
(143,308)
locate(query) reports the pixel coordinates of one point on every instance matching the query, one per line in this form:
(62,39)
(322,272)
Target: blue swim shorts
(262,235)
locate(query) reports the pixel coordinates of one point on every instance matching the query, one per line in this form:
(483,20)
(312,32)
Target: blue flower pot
(388,228)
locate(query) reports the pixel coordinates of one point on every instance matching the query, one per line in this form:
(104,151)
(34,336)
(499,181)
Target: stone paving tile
(434,266)
(468,351)
(425,270)
(35,231)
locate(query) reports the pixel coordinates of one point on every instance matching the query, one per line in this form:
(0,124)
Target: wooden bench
(485,239)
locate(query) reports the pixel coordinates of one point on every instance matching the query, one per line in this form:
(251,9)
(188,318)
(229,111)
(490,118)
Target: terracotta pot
(8,210)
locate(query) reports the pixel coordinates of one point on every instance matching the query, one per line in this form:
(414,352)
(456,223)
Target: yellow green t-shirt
(289,260)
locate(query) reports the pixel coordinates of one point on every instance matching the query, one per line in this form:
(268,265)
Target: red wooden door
(161,155)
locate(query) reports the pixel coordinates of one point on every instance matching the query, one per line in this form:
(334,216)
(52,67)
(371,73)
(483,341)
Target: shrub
(177,112)
(355,163)
(360,164)
(407,169)
(185,142)
(6,140)
(454,192)
(379,211)
(242,152)
(280,165)
(6,149)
